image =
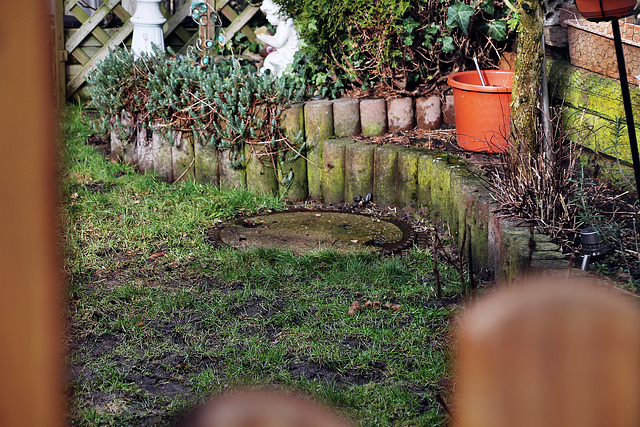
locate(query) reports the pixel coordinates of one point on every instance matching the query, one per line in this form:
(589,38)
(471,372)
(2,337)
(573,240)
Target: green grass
(152,337)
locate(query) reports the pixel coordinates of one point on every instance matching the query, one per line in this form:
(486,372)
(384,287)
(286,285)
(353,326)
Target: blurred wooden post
(31,365)
(59,54)
(550,354)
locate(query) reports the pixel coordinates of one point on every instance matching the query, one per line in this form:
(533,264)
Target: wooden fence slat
(74,69)
(60,54)
(79,53)
(178,29)
(79,78)
(240,22)
(91,40)
(91,45)
(81,56)
(68,5)
(181,32)
(221,3)
(89,50)
(174,21)
(98,32)
(90,25)
(233,15)
(121,13)
(191,42)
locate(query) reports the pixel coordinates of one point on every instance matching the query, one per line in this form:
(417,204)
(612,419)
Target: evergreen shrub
(401,43)
(225,104)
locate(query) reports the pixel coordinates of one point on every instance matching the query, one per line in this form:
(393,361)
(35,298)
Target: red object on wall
(605,10)
(483,113)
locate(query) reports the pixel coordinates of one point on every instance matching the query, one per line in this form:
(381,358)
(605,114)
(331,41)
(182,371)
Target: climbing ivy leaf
(447,44)
(429,34)
(497,30)
(459,15)
(312,25)
(514,21)
(488,7)
(409,26)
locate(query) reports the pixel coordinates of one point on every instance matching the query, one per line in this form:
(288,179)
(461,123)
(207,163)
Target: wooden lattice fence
(78,50)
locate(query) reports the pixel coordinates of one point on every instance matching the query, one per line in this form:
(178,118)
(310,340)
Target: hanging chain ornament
(209,29)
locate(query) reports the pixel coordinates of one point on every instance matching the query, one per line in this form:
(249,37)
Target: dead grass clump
(538,186)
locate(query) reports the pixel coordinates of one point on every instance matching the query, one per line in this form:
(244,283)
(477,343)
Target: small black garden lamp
(592,245)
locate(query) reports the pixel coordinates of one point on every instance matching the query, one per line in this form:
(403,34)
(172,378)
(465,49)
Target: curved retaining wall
(337,168)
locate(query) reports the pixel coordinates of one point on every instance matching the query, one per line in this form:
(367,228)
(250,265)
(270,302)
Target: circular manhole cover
(306,230)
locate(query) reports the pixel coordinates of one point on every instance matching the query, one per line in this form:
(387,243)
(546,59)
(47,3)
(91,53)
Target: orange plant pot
(605,10)
(483,113)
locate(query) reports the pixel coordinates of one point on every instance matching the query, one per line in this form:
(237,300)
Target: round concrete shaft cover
(315,230)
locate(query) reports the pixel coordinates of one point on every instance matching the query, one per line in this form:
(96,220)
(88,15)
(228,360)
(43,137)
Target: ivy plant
(399,43)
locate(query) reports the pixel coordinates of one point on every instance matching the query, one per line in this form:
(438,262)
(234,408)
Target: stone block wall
(590,105)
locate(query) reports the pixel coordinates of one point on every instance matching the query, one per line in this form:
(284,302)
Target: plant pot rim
(606,10)
(457,81)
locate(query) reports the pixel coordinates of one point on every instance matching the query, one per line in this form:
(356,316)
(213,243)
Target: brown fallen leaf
(377,305)
(368,304)
(387,306)
(355,308)
(395,307)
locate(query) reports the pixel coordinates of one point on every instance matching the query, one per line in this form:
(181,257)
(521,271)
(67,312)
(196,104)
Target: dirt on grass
(145,373)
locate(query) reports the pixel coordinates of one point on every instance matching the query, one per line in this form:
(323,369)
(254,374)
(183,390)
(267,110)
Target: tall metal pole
(626,99)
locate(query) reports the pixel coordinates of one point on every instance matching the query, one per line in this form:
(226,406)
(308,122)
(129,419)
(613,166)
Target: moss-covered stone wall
(593,102)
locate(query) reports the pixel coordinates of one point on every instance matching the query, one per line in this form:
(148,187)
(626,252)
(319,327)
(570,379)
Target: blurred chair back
(550,354)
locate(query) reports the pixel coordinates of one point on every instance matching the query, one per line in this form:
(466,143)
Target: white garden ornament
(285,40)
(147,27)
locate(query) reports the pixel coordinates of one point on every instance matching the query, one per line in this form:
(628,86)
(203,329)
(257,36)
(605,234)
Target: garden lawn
(159,320)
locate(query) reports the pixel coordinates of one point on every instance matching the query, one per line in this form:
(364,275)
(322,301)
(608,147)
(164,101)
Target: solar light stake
(592,245)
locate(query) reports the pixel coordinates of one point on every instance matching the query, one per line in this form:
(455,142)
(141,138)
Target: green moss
(424,179)
(230,177)
(408,177)
(183,156)
(333,178)
(206,163)
(359,170)
(384,175)
(592,104)
(440,190)
(318,124)
(260,173)
(373,128)
(292,124)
